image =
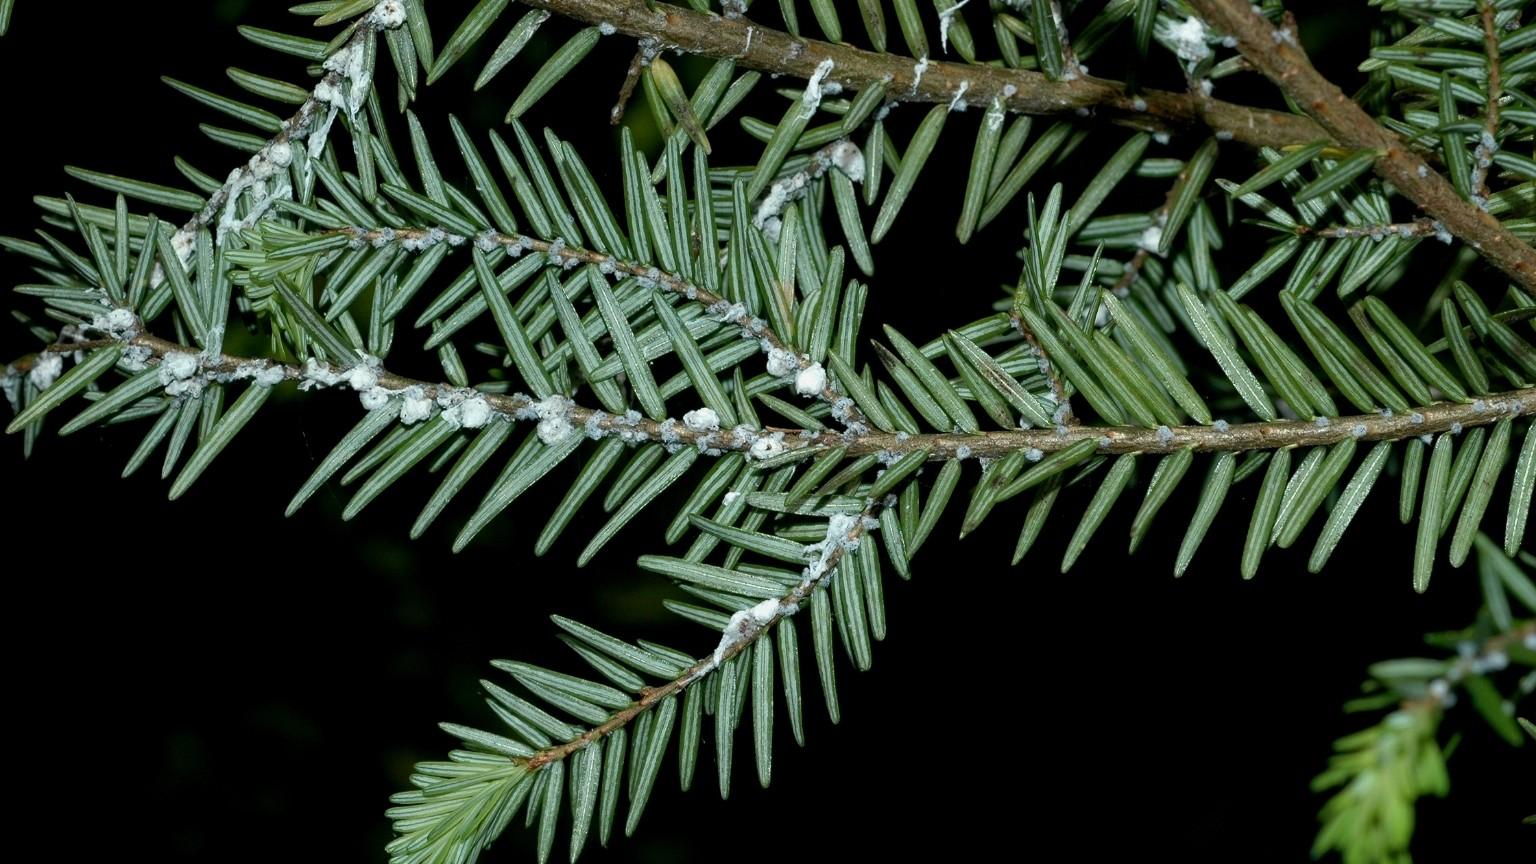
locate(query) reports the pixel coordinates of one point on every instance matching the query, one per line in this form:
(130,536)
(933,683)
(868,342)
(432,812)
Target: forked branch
(1277,53)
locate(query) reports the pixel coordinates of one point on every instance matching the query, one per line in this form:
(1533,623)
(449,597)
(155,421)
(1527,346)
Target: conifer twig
(727,312)
(753,624)
(1278,54)
(1489,143)
(757,47)
(941,446)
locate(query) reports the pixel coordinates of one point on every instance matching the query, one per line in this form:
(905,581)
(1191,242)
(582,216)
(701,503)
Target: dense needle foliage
(1330,308)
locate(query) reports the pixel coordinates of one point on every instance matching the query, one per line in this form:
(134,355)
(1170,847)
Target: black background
(205,680)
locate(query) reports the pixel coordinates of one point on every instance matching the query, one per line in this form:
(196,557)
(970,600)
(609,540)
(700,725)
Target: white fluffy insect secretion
(414,406)
(702,420)
(810,100)
(45,370)
(744,624)
(843,155)
(373,400)
(767,446)
(946,18)
(1187,38)
(554,413)
(848,158)
(388,15)
(472,413)
(117,323)
(811,380)
(918,70)
(177,366)
(823,556)
(782,363)
(178,373)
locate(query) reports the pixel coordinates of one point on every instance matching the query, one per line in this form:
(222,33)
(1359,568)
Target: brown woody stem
(1495,92)
(757,47)
(1277,53)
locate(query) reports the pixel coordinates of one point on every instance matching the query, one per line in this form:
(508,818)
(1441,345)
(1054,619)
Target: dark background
(205,680)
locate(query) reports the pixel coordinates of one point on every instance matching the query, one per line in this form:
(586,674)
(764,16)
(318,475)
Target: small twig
(304,122)
(1490,141)
(1053,379)
(1071,67)
(727,312)
(1438,697)
(703,666)
(757,47)
(1420,227)
(1159,219)
(644,54)
(1278,54)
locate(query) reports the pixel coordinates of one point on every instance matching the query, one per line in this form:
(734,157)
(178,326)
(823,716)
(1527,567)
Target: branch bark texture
(1277,53)
(933,81)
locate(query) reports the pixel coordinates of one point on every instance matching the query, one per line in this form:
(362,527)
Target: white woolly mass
(843,155)
(810,100)
(427,239)
(264,376)
(10,385)
(389,14)
(46,369)
(135,358)
(461,413)
(702,420)
(1187,38)
(414,406)
(995,116)
(351,63)
(782,363)
(849,159)
(1151,238)
(317,374)
(119,323)
(947,17)
(765,611)
(958,103)
(744,624)
(177,366)
(269,164)
(839,527)
(767,446)
(917,72)
(374,399)
(554,415)
(363,377)
(475,412)
(811,380)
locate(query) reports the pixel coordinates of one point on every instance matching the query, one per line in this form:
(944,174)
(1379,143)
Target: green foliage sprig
(701,321)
